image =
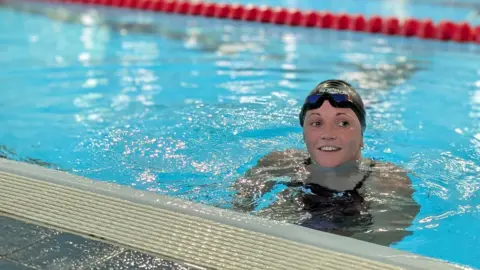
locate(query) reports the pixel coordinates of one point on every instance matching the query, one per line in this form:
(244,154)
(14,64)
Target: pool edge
(87,207)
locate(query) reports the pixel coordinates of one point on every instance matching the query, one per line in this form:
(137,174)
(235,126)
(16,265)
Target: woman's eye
(344,123)
(316,123)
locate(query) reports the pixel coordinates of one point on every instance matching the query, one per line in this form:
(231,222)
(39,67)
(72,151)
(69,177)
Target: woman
(331,187)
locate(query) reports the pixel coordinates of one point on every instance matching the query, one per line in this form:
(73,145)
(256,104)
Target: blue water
(184,106)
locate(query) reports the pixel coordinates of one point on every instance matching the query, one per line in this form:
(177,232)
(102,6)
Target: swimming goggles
(337,100)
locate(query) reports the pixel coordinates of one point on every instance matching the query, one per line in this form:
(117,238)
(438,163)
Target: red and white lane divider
(425,29)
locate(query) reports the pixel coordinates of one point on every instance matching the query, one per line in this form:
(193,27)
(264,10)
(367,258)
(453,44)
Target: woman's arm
(256,182)
(390,195)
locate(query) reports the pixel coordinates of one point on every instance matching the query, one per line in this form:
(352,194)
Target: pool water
(183,106)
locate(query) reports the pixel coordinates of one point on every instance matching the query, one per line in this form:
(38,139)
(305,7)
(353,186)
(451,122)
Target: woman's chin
(327,163)
(329,159)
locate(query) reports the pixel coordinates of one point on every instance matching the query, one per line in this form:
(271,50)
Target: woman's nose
(328,134)
(328,137)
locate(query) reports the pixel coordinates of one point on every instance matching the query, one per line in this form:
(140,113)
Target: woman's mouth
(329,148)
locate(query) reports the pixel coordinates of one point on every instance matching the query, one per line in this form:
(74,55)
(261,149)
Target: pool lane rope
(445,30)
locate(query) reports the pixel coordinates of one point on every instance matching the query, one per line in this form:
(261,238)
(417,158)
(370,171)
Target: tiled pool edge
(185,231)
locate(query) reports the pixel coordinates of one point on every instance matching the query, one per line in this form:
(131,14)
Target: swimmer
(331,187)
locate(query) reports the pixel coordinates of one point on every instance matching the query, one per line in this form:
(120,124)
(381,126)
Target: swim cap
(340,94)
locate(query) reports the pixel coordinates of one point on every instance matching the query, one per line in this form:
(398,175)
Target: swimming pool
(183,106)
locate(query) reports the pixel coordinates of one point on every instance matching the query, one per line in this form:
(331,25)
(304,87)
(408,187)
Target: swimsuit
(332,209)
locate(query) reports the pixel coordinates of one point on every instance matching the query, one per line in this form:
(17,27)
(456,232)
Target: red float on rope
(326,20)
(223,10)
(237,12)
(476,34)
(169,6)
(182,7)
(358,23)
(209,10)
(145,4)
(342,22)
(197,8)
(410,27)
(129,3)
(312,18)
(251,13)
(158,5)
(281,16)
(109,3)
(296,17)
(374,24)
(266,15)
(463,33)
(427,30)
(391,26)
(445,30)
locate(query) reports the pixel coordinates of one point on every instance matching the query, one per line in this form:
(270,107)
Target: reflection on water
(383,76)
(8,153)
(136,99)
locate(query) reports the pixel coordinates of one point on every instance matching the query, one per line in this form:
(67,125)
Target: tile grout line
(104,260)
(26,265)
(29,245)
(6,257)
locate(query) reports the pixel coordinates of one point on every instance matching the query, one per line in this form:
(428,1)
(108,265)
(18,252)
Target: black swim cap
(337,87)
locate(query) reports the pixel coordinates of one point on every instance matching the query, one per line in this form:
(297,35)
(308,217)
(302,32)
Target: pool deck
(55,220)
(26,246)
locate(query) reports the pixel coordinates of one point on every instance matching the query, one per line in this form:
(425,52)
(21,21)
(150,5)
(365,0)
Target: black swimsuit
(331,209)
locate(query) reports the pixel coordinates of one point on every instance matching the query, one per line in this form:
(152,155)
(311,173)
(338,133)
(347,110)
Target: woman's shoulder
(279,163)
(380,165)
(387,175)
(283,157)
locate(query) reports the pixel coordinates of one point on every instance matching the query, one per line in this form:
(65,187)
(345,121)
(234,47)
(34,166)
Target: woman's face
(333,135)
